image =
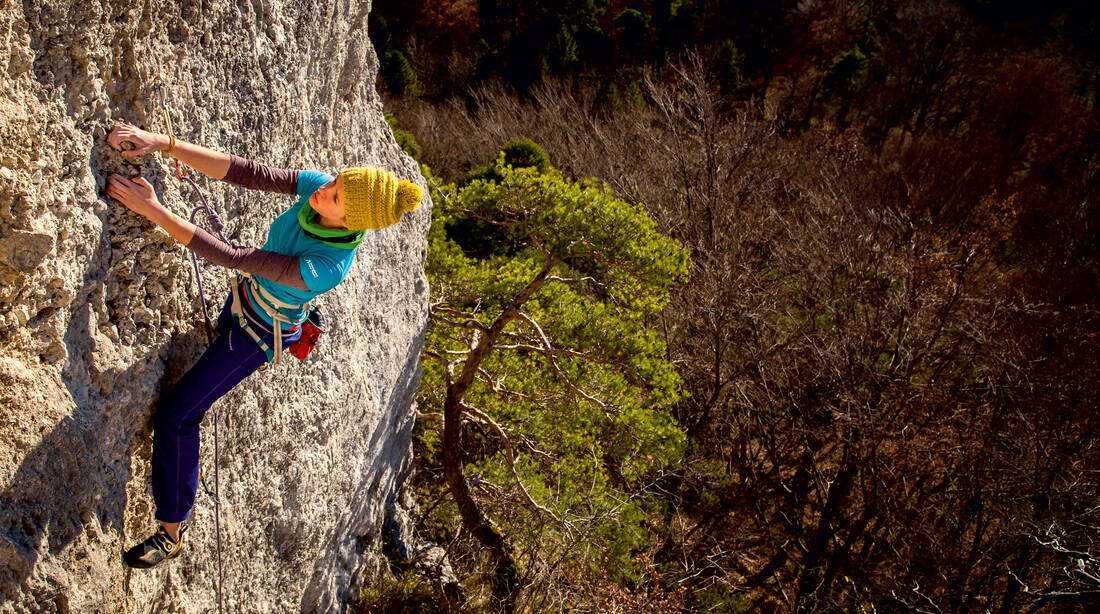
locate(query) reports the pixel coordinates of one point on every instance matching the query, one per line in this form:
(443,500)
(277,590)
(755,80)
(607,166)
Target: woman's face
(328,201)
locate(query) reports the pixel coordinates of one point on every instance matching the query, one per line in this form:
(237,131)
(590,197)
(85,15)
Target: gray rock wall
(98,312)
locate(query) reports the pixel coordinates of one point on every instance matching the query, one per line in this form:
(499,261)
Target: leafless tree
(882,418)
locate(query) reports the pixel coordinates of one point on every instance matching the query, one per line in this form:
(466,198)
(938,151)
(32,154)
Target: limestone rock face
(98,311)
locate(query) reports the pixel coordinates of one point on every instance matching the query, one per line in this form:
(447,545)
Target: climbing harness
(279,312)
(307,317)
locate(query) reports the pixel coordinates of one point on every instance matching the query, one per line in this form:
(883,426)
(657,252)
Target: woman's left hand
(136,194)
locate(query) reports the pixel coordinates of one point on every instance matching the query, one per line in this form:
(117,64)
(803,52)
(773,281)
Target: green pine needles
(573,392)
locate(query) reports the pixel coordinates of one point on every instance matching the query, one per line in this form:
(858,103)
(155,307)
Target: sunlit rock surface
(98,310)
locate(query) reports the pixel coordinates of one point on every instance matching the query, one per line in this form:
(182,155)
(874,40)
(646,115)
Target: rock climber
(309,250)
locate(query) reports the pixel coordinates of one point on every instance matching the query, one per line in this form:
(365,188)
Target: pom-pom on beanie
(374,198)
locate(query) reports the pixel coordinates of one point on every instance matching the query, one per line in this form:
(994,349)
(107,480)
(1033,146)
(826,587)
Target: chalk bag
(312,329)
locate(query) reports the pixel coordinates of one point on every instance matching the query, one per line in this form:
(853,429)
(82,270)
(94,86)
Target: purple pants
(233,356)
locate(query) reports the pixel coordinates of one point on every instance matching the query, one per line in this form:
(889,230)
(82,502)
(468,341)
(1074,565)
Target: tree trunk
(506,572)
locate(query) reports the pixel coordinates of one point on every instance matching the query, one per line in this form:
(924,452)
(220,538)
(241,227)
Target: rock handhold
(24,251)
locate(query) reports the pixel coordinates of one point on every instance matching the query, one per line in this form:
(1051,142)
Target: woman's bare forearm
(180,229)
(207,161)
(138,196)
(211,163)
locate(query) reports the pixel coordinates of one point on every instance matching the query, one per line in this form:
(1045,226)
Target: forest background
(779,306)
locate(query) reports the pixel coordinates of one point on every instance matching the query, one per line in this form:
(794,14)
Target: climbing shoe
(158,547)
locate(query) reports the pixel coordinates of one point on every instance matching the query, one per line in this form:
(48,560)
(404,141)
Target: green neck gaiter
(341,238)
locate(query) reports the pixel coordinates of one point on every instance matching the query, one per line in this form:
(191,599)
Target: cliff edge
(98,310)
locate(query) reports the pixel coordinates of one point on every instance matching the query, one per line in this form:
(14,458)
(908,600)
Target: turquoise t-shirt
(323,267)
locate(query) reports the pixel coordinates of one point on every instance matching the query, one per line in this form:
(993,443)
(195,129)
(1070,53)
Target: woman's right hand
(143,141)
(137,194)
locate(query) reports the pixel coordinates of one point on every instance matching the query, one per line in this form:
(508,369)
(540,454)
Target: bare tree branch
(554,365)
(448,366)
(470,323)
(483,417)
(546,351)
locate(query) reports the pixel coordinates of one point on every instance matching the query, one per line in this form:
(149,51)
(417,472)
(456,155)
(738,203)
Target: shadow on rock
(391,452)
(74,479)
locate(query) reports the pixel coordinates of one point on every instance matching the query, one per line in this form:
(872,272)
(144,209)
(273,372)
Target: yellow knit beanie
(374,198)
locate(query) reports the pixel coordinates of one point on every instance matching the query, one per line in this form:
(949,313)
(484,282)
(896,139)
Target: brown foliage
(881,415)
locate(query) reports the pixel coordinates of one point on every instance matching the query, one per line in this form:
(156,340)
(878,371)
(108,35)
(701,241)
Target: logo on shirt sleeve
(313,271)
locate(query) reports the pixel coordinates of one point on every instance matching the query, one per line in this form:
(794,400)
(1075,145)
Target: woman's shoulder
(317,249)
(324,269)
(310,180)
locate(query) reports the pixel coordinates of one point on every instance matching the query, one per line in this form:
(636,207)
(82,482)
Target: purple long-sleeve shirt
(279,268)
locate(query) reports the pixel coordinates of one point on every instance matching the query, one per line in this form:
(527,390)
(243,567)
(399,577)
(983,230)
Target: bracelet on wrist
(171,144)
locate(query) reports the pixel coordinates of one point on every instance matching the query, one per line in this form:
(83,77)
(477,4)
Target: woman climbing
(309,250)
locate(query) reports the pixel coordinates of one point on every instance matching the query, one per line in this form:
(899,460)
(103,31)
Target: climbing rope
(217,226)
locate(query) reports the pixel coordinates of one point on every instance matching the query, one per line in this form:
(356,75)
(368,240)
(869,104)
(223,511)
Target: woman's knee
(170,416)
